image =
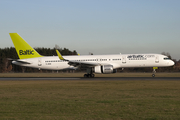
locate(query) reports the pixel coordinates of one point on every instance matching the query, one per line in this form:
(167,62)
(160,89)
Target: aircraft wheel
(89,75)
(85,75)
(92,75)
(153,75)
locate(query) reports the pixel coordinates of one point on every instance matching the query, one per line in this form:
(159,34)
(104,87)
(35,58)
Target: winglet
(59,55)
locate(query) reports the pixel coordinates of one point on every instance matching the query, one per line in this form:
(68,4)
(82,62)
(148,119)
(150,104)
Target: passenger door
(157,59)
(39,62)
(123,59)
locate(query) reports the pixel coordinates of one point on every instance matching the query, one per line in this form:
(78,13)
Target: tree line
(7,66)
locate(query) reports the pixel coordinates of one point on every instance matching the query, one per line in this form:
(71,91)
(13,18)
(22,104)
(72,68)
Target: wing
(82,64)
(78,63)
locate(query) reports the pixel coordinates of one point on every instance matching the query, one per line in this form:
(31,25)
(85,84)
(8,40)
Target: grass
(77,99)
(81,75)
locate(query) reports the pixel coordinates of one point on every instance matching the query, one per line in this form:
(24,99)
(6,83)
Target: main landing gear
(89,73)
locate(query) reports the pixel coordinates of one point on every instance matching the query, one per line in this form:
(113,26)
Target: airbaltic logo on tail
(26,52)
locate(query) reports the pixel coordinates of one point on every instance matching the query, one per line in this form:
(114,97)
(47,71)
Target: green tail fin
(23,49)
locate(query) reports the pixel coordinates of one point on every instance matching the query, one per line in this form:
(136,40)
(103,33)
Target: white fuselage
(117,61)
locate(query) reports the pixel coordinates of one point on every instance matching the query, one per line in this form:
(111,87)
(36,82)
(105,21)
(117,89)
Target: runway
(81,78)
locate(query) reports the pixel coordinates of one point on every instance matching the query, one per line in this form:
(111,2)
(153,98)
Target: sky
(96,26)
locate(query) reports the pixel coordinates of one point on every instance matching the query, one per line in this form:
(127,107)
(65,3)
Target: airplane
(102,64)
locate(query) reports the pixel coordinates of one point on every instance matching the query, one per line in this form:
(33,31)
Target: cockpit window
(166,58)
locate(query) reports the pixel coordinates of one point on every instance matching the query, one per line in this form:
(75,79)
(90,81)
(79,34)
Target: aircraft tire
(89,75)
(85,75)
(92,75)
(153,75)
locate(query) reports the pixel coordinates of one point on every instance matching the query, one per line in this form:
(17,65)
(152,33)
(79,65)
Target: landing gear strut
(154,72)
(89,73)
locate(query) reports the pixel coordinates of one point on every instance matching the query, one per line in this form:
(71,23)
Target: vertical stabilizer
(23,49)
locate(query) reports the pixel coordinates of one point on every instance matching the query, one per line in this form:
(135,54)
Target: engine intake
(105,69)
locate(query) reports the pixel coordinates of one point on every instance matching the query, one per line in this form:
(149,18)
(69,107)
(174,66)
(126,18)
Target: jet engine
(104,69)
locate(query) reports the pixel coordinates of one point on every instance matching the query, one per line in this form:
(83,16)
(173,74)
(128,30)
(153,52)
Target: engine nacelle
(104,69)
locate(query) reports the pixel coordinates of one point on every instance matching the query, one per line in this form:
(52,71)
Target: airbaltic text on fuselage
(140,56)
(26,52)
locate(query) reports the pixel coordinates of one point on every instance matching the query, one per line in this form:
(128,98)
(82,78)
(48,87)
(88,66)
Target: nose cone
(171,63)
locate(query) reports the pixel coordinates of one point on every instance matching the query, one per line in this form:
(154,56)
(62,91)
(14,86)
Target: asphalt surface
(96,78)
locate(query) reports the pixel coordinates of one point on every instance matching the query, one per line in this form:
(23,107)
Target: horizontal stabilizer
(20,61)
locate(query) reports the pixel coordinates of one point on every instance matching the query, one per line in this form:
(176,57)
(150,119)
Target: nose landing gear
(153,75)
(154,71)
